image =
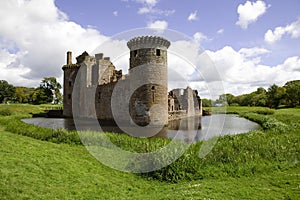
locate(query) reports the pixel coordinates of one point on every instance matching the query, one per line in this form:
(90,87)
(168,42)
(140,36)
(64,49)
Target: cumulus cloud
(115,13)
(151,10)
(220,31)
(242,70)
(159,24)
(150,3)
(10,73)
(198,37)
(193,16)
(292,29)
(253,52)
(250,12)
(149,7)
(36,34)
(238,71)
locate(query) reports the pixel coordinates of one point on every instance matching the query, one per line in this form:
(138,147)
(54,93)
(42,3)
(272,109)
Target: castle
(93,88)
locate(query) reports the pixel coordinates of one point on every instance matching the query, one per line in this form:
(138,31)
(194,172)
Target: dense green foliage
(293,93)
(6,91)
(206,103)
(47,92)
(275,96)
(25,95)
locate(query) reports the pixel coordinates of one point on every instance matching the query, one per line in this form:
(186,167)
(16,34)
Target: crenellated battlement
(70,66)
(148,42)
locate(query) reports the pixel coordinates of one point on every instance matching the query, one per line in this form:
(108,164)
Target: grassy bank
(262,164)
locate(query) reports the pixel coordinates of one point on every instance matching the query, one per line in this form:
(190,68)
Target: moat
(189,129)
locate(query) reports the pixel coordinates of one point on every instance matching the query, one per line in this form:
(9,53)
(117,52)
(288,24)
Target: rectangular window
(69,96)
(99,96)
(70,83)
(158,52)
(135,53)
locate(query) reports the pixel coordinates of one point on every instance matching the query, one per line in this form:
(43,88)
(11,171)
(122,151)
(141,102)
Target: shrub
(267,123)
(264,111)
(5,112)
(15,125)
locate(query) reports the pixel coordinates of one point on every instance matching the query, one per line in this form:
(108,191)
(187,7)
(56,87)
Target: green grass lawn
(35,169)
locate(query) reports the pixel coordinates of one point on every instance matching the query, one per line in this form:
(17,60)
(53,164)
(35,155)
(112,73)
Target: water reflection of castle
(94,88)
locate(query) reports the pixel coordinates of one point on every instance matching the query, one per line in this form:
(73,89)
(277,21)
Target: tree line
(275,96)
(47,92)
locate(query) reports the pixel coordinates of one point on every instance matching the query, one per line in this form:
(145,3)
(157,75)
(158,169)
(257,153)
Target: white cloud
(115,13)
(159,24)
(252,52)
(193,16)
(35,38)
(199,37)
(250,12)
(243,72)
(220,31)
(38,35)
(144,10)
(12,74)
(292,29)
(151,10)
(150,3)
(149,7)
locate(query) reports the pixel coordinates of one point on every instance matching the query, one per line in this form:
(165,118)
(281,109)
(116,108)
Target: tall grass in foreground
(15,125)
(275,147)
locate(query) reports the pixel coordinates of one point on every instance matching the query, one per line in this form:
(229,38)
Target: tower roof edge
(143,42)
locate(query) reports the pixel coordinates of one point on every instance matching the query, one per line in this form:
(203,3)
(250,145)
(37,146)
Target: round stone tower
(148,74)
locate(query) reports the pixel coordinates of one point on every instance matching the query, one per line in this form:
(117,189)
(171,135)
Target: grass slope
(34,169)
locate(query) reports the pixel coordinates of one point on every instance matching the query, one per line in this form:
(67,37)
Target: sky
(251,44)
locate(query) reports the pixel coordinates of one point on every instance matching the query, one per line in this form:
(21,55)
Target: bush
(267,123)
(5,112)
(264,111)
(15,125)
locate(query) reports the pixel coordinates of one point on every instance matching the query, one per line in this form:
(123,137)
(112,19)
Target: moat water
(188,129)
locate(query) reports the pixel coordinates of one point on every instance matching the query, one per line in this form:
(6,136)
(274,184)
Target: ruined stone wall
(70,73)
(103,101)
(103,72)
(187,100)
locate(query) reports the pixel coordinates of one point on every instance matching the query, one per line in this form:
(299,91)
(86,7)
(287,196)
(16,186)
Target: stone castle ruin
(93,88)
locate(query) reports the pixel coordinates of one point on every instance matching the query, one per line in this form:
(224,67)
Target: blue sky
(212,16)
(252,43)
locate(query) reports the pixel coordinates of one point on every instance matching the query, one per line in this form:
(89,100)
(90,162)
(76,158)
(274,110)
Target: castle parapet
(148,42)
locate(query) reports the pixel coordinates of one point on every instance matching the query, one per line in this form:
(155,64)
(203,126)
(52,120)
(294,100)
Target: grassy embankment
(260,164)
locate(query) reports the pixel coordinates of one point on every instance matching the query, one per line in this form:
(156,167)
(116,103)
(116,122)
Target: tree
(259,97)
(24,95)
(226,99)
(275,95)
(7,91)
(293,92)
(206,103)
(48,91)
